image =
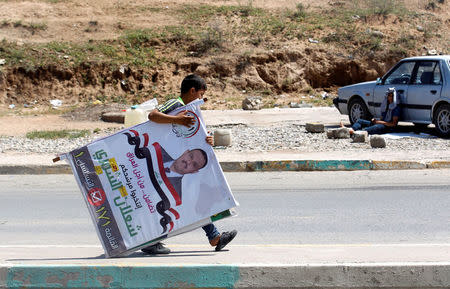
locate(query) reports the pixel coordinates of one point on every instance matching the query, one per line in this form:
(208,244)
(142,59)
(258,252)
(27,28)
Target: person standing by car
(390,115)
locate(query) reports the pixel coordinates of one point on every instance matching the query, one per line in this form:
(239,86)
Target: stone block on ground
(330,133)
(342,132)
(315,127)
(377,141)
(360,136)
(222,137)
(252,103)
(118,117)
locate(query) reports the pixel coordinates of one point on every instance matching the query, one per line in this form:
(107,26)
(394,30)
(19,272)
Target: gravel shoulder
(270,134)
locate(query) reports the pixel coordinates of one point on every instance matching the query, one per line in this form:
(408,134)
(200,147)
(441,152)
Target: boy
(192,87)
(389,116)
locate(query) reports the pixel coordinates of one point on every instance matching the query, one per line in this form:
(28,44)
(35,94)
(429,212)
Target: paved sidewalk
(252,266)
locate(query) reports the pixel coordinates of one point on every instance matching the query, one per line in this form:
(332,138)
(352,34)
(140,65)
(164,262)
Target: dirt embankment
(281,72)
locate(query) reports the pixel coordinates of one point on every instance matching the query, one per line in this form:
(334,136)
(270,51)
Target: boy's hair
(194,81)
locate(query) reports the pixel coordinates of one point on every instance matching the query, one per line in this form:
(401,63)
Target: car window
(428,72)
(401,74)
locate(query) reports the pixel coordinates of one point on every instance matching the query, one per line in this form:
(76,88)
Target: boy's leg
(360,123)
(375,129)
(216,239)
(212,233)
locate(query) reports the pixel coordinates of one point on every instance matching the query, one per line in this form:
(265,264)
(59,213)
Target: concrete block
(315,127)
(377,141)
(222,137)
(360,136)
(118,117)
(342,132)
(330,133)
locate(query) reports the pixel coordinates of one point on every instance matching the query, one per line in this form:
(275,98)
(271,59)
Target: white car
(423,87)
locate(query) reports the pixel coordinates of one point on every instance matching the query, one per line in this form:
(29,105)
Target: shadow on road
(173,254)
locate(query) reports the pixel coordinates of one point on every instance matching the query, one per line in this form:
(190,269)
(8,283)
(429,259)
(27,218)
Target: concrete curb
(355,275)
(261,166)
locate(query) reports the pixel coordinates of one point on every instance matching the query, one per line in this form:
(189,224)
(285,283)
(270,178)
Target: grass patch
(132,49)
(210,28)
(55,134)
(377,8)
(198,14)
(33,27)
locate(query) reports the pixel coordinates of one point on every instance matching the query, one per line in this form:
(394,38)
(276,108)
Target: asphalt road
(363,207)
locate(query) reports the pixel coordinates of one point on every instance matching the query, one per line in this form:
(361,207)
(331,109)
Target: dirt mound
(284,51)
(92,112)
(290,72)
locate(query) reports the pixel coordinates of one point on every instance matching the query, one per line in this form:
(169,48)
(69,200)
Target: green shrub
(55,134)
(212,38)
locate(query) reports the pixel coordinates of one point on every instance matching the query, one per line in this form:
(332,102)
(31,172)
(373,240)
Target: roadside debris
(122,69)
(338,133)
(377,141)
(124,85)
(315,127)
(149,105)
(117,117)
(2,61)
(360,136)
(222,137)
(313,40)
(55,103)
(135,115)
(252,103)
(11,106)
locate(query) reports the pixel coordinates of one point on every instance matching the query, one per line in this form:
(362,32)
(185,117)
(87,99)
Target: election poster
(151,181)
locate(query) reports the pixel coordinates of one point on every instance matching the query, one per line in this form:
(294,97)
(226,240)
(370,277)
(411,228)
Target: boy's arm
(181,118)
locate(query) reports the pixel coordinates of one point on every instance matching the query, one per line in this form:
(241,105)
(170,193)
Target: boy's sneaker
(225,238)
(157,248)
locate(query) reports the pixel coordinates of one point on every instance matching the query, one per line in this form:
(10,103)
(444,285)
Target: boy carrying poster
(193,87)
(151,181)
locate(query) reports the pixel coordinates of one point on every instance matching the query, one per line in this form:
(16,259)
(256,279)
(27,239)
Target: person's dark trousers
(360,124)
(367,126)
(211,231)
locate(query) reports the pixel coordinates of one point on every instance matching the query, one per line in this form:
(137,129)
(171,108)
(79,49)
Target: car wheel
(442,120)
(357,110)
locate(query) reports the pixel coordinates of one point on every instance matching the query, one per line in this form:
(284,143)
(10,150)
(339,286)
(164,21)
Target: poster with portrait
(151,181)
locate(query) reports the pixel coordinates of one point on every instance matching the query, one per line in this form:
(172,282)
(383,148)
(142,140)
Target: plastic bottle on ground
(135,115)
